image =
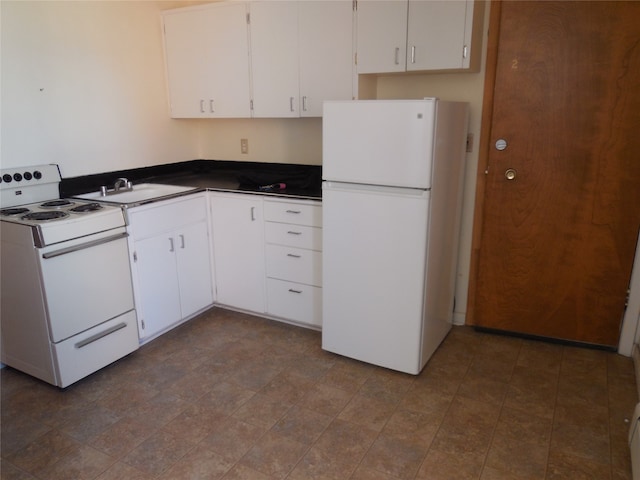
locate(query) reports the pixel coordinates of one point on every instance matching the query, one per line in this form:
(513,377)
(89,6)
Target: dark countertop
(302,181)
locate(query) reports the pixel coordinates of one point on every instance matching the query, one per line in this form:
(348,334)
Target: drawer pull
(294,211)
(293,255)
(295,291)
(291,232)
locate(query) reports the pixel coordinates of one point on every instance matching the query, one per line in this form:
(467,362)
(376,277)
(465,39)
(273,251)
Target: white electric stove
(67,299)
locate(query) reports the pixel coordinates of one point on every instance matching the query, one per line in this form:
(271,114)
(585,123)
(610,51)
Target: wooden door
(554,246)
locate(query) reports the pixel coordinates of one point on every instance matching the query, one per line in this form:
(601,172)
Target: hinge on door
(465,51)
(142,323)
(135,256)
(248,18)
(626,300)
(355,58)
(355,5)
(251,104)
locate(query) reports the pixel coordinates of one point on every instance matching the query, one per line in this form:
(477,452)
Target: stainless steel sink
(142,192)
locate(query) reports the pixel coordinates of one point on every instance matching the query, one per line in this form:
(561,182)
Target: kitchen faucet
(121,184)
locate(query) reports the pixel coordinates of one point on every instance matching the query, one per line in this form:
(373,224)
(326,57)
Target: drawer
(299,236)
(294,213)
(95,348)
(150,220)
(294,301)
(294,264)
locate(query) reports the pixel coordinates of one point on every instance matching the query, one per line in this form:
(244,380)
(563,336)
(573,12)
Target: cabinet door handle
(293,211)
(253,214)
(211,104)
(201,106)
(413,54)
(291,103)
(465,51)
(181,241)
(397,57)
(171,247)
(291,232)
(293,255)
(295,291)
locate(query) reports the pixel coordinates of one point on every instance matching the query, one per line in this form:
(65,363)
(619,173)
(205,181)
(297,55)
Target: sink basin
(140,193)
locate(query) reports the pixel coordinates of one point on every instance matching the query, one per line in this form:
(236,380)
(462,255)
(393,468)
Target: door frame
(630,331)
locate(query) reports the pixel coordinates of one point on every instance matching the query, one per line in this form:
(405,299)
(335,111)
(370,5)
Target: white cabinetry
(274,58)
(301,55)
(207,59)
(418,35)
(326,54)
(293,232)
(238,250)
(171,268)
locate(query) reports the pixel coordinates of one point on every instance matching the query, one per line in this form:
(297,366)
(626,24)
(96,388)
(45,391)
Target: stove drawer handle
(98,336)
(83,246)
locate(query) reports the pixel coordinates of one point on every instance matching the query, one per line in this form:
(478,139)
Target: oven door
(87,281)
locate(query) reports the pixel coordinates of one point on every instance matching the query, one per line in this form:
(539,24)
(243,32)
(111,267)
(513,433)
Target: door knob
(510,174)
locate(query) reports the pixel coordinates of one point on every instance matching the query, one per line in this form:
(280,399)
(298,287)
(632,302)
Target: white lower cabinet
(170,260)
(293,250)
(238,250)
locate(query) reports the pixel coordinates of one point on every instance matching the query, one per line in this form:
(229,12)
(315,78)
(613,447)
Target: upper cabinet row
(273,58)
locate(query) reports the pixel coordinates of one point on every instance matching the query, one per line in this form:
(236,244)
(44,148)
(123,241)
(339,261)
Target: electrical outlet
(244,145)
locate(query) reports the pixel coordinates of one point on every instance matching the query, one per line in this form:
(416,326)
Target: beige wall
(83,85)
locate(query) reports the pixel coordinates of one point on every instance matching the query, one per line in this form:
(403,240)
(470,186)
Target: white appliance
(67,299)
(392,194)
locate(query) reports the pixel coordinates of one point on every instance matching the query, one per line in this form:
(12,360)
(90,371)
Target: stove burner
(13,211)
(44,216)
(88,207)
(56,204)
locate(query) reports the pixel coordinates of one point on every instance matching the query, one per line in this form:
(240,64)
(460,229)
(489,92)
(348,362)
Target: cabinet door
(436,34)
(194,268)
(274,58)
(207,61)
(325,53)
(382,36)
(238,251)
(158,290)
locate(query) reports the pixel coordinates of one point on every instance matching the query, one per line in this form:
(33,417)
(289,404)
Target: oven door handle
(82,246)
(98,336)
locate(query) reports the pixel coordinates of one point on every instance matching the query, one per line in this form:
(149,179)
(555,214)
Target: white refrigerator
(392,194)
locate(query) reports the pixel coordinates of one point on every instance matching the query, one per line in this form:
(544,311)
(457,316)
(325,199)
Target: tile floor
(237,397)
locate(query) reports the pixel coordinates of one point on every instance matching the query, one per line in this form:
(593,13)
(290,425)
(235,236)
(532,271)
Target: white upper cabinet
(268,58)
(274,58)
(418,35)
(207,61)
(326,54)
(301,55)
(381,36)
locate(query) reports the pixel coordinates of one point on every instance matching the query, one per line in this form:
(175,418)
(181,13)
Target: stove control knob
(37,175)
(17,177)
(7,178)
(27,176)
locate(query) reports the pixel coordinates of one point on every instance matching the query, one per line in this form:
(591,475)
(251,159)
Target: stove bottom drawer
(95,348)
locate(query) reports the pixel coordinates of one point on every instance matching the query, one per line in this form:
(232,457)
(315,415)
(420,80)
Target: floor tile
(231,396)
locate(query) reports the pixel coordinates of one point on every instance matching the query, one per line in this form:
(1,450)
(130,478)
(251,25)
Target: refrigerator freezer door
(379,142)
(374,250)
